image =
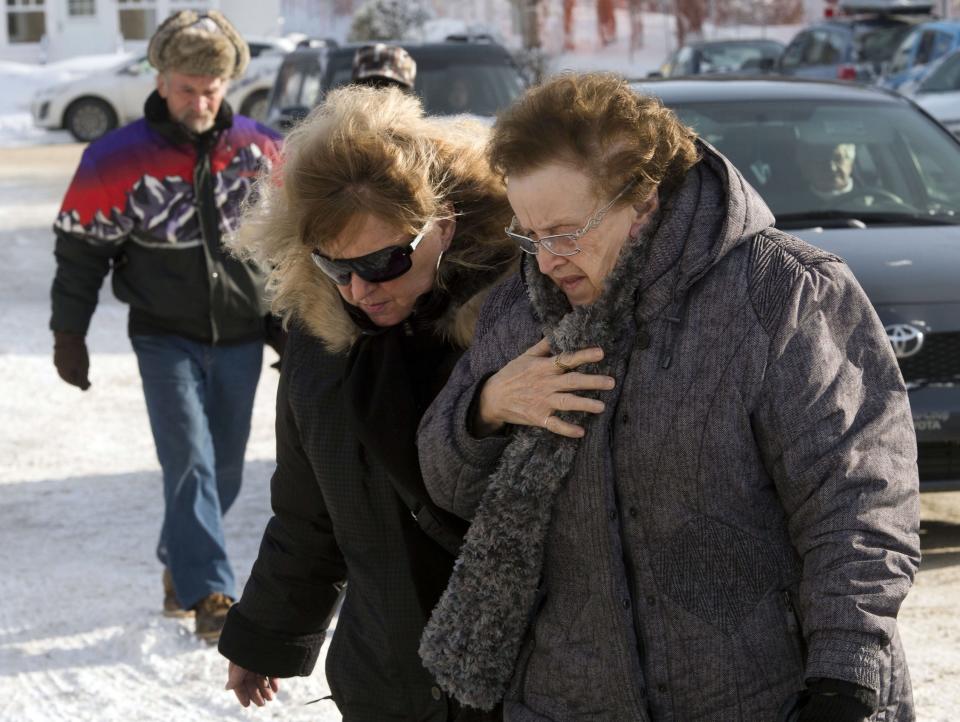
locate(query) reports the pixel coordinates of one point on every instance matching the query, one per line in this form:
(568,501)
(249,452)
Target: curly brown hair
(597,123)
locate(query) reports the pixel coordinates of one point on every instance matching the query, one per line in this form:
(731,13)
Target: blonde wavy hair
(597,123)
(370,151)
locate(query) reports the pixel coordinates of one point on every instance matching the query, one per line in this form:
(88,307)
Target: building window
(81,8)
(138,18)
(26,21)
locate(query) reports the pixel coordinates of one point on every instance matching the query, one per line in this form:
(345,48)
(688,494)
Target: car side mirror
(654,74)
(767,65)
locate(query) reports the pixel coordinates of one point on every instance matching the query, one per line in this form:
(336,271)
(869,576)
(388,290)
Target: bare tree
(635,8)
(387,19)
(531,59)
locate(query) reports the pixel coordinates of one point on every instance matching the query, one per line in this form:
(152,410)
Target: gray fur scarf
(473,638)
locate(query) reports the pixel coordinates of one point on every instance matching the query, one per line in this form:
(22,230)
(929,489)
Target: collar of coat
(157,114)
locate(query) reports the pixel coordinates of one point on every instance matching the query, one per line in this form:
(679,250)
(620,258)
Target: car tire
(255,105)
(89,118)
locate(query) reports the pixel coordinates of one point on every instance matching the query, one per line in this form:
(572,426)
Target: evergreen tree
(388,20)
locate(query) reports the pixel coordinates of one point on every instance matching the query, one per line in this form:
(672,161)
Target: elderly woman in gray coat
(682,438)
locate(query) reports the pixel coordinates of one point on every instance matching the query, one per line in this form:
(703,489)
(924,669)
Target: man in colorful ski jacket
(153,202)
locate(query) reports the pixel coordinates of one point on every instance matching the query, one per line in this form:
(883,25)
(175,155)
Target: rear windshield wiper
(852,219)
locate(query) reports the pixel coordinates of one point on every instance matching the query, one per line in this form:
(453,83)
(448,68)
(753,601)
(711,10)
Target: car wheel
(255,105)
(89,118)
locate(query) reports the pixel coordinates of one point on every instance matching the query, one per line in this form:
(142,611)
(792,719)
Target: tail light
(846,72)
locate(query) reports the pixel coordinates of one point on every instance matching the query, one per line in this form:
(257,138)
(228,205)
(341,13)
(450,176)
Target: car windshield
(835,163)
(450,89)
(944,78)
(297,80)
(731,57)
(879,44)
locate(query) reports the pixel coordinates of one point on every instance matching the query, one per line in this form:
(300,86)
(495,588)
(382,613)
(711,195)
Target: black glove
(275,336)
(833,700)
(71,359)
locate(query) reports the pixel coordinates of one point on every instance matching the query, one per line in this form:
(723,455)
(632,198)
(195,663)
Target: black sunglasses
(377,267)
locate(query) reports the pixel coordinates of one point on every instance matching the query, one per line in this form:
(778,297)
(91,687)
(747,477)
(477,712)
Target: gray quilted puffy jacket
(744,514)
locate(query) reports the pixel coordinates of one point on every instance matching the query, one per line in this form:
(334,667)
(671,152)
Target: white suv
(93,105)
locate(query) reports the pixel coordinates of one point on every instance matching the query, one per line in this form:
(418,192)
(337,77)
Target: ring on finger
(561,365)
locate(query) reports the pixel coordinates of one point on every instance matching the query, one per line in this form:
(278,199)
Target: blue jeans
(200,400)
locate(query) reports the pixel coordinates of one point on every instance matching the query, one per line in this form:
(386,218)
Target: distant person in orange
(606,21)
(568,43)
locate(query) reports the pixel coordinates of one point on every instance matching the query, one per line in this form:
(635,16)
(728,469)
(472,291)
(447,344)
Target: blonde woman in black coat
(385,231)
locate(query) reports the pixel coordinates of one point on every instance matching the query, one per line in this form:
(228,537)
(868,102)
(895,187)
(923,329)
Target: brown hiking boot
(211,614)
(171,605)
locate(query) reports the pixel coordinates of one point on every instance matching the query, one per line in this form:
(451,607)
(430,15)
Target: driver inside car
(828,169)
(828,173)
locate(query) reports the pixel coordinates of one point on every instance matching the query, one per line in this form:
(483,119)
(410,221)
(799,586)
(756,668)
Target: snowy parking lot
(81,635)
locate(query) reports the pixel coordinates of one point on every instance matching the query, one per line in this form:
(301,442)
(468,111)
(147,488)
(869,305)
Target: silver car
(938,92)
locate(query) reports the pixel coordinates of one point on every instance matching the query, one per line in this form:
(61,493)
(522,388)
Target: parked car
(938,92)
(465,75)
(710,57)
(93,105)
(897,224)
(854,46)
(919,48)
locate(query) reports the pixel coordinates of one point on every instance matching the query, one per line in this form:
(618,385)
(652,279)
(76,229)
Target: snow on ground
(81,636)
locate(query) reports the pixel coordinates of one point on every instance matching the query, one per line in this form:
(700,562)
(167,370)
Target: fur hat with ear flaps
(199,44)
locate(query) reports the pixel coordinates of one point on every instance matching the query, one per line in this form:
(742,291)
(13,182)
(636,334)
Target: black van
(457,76)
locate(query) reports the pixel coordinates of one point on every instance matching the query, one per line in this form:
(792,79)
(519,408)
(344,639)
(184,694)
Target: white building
(41,30)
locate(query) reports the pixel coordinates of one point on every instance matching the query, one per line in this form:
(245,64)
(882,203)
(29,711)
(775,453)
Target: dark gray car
(866,174)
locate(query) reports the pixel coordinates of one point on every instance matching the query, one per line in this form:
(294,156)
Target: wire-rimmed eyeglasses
(562,244)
